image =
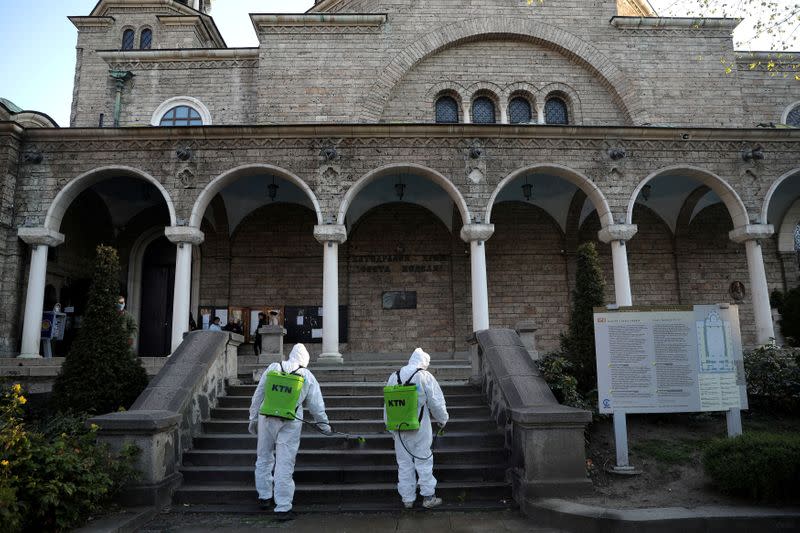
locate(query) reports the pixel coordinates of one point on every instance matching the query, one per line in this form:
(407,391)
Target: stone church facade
(453,151)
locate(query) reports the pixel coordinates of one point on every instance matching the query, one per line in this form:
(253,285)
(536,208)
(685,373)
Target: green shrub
(578,344)
(556,371)
(773,378)
(53,480)
(100,373)
(760,466)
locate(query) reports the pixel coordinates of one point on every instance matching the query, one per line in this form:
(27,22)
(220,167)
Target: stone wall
(365,71)
(12,249)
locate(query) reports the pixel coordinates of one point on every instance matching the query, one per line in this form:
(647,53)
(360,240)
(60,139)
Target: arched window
(181,115)
(483,110)
(555,111)
(128,37)
(446,110)
(793,117)
(146,39)
(519,111)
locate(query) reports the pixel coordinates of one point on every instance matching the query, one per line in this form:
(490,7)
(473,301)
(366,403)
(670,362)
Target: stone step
(312,440)
(368,374)
(341,493)
(356,427)
(464,454)
(454,400)
(362,388)
(241,475)
(374,412)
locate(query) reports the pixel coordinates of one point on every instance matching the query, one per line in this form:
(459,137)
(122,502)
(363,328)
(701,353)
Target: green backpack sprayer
(402,413)
(282,395)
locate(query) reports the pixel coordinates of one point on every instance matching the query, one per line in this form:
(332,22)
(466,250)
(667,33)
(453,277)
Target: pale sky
(37,44)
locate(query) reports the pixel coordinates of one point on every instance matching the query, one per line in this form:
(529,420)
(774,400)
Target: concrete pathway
(444,521)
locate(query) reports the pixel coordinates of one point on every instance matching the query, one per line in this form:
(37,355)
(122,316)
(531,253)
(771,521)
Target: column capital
(477,232)
(751,232)
(46,236)
(617,232)
(330,233)
(184,234)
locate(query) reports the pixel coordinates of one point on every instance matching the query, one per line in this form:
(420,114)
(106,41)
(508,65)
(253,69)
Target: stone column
(40,240)
(184,237)
(330,236)
(617,235)
(476,235)
(751,235)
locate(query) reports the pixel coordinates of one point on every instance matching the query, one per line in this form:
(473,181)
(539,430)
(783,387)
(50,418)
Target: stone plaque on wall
(399,300)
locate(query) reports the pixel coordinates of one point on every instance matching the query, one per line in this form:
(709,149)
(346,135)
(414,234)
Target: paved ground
(479,521)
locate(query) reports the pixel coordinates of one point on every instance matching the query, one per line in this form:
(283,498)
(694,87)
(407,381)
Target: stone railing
(169,413)
(546,438)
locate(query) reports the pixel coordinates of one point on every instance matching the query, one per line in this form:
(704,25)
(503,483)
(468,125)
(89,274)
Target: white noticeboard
(669,359)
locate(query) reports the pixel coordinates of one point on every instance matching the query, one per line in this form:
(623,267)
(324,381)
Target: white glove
(252,427)
(325,428)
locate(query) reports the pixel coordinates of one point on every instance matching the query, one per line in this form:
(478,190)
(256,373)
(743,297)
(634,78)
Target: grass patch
(671,452)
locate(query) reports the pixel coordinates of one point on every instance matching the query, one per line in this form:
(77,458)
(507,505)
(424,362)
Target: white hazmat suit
(278,438)
(431,402)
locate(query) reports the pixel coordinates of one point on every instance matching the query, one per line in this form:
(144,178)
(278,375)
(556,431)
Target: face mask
(120,307)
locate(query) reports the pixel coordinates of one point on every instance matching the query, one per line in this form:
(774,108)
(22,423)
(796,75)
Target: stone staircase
(470,459)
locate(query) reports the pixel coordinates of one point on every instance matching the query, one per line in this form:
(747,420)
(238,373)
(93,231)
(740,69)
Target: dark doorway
(158,281)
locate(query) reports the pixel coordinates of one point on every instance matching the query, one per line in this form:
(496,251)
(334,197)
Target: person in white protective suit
(279,438)
(418,442)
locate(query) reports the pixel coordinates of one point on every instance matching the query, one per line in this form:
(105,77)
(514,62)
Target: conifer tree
(100,373)
(578,344)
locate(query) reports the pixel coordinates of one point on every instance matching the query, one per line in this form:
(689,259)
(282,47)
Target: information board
(304,323)
(669,359)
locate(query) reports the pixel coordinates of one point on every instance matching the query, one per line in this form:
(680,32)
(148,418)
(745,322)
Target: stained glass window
(519,111)
(555,111)
(127,39)
(797,238)
(793,118)
(446,110)
(181,115)
(146,40)
(483,111)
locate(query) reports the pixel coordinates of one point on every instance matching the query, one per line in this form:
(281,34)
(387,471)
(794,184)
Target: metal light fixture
(272,189)
(527,190)
(646,192)
(400,188)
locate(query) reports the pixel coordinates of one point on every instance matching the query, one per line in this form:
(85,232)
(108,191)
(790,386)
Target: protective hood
(420,359)
(299,356)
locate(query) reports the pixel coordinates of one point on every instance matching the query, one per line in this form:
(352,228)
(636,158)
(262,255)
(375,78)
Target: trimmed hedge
(759,466)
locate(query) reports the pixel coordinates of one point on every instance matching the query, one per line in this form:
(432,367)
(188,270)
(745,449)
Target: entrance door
(158,282)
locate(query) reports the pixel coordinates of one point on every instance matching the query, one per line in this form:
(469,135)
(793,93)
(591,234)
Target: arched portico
(405,168)
(581,181)
(62,201)
(725,192)
(223,180)
(743,232)
(116,183)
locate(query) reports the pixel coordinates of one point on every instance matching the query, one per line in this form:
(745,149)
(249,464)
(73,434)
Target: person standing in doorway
(262,321)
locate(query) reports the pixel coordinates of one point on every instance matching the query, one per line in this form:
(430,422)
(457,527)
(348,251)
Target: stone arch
(573,47)
(726,193)
(220,182)
(62,201)
(419,170)
(581,181)
(771,192)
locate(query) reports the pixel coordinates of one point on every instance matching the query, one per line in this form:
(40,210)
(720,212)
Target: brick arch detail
(570,45)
